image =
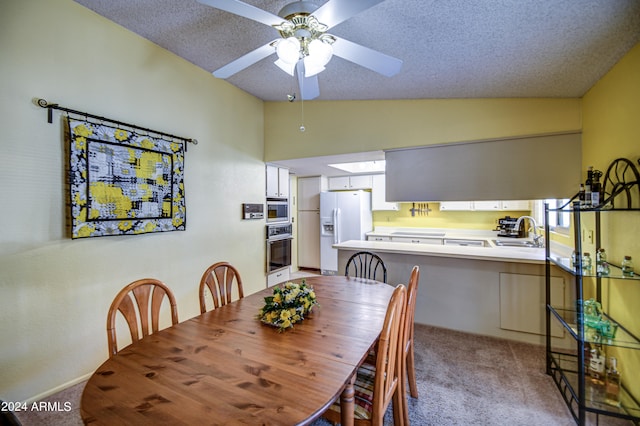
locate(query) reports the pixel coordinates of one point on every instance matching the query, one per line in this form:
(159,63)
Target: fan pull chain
(302,128)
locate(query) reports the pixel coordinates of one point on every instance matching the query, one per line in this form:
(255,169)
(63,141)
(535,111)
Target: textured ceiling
(450,48)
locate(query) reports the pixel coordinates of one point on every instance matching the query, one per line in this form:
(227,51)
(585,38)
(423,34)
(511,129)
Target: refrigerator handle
(336,226)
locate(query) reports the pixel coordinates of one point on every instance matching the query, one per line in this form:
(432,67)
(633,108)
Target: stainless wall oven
(277,211)
(279,238)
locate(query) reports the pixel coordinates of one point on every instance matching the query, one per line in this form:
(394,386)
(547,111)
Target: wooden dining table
(226,367)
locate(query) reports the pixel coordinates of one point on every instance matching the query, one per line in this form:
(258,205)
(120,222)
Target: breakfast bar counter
(480,288)
(489,252)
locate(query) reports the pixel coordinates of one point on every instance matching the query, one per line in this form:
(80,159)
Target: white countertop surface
(500,254)
(490,252)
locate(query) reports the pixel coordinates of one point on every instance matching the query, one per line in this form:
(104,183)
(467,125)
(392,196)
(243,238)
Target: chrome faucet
(538,240)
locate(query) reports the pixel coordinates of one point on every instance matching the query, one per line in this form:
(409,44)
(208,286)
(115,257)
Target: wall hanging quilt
(123,182)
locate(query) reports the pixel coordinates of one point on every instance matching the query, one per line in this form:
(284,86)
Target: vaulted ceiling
(449,48)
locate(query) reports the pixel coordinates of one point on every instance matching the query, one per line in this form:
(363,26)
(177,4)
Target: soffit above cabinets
(509,169)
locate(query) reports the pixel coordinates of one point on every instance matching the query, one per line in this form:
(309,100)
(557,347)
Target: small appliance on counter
(507,228)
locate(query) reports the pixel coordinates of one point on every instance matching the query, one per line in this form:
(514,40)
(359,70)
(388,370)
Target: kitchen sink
(515,243)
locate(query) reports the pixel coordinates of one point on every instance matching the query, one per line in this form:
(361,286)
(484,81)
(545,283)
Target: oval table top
(226,367)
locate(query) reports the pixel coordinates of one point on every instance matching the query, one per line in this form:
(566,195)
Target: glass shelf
(599,209)
(567,364)
(564,366)
(565,264)
(623,338)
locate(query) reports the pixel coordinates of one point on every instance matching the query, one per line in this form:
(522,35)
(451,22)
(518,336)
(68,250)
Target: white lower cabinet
(413,240)
(278,277)
(417,240)
(377,238)
(522,303)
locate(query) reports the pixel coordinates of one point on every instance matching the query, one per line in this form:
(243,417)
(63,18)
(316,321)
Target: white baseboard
(57,389)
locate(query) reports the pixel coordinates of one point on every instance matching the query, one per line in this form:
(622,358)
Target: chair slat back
(389,354)
(412,294)
(368,265)
(408,365)
(139,303)
(219,278)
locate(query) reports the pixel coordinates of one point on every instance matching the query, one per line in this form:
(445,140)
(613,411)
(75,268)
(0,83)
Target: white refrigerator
(344,215)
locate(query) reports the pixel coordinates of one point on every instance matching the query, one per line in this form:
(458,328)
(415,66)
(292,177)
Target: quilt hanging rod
(44,104)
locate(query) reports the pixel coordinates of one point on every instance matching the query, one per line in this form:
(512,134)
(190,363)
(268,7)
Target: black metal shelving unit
(567,367)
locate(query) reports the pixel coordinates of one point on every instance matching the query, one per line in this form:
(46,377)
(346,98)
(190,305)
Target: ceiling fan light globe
(288,50)
(312,67)
(287,67)
(320,51)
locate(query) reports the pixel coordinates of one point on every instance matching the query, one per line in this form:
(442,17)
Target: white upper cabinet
(511,205)
(456,205)
(378,194)
(516,205)
(277,182)
(309,189)
(487,205)
(339,183)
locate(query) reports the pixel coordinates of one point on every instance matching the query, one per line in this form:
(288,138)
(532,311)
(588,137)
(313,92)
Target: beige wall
(54,292)
(339,127)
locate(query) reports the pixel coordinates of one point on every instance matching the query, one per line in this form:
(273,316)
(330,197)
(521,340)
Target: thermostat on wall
(252,211)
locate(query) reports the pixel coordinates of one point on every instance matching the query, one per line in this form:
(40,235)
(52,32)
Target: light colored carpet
(463,379)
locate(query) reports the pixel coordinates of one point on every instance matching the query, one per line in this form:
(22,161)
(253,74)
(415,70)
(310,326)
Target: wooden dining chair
(219,279)
(365,264)
(409,360)
(138,303)
(377,385)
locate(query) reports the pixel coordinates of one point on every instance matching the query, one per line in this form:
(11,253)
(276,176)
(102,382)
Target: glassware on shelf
(592,313)
(602,266)
(586,263)
(627,267)
(585,258)
(596,375)
(612,383)
(596,327)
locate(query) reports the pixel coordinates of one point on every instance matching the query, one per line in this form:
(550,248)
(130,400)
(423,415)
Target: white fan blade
(245,61)
(368,58)
(334,12)
(309,88)
(246,10)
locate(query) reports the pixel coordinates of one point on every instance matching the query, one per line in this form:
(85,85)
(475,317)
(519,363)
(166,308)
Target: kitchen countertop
(489,252)
(492,253)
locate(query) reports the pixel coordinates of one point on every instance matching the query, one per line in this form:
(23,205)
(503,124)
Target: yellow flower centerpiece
(288,305)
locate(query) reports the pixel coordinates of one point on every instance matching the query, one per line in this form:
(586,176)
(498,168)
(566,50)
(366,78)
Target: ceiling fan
(304,46)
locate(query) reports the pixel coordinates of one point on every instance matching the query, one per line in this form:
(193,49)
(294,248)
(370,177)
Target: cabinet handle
(415,241)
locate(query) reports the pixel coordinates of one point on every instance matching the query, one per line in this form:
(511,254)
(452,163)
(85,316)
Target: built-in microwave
(277,211)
